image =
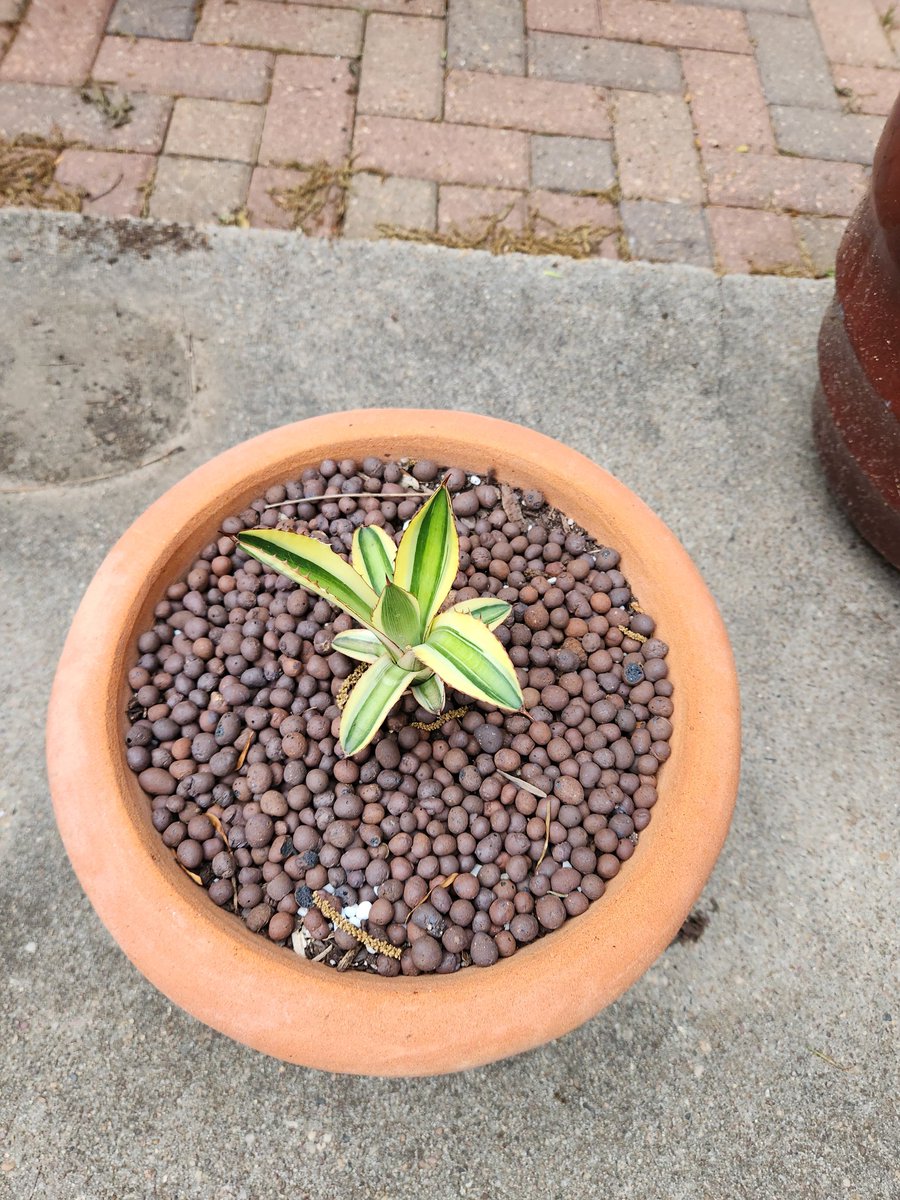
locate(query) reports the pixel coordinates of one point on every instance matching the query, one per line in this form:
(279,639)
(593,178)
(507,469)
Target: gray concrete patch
(77,396)
(759,1062)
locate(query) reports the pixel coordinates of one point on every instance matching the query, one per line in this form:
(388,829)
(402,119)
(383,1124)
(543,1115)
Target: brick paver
(184,68)
(174,19)
(374,200)
(572,164)
(564,16)
(605,63)
(193,190)
(113,184)
(655,147)
(11,10)
(56,42)
(445,153)
(792,63)
(795,184)
(406,8)
(661,23)
(30,108)
(793,8)
(732,133)
(666,232)
(486,35)
(820,238)
(851,32)
(298,28)
(215,129)
(262,210)
(755,242)
(567,210)
(868,89)
(402,67)
(536,105)
(466,208)
(727,102)
(310,114)
(818,133)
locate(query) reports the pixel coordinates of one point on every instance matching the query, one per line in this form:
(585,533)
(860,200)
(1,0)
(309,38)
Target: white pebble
(357,913)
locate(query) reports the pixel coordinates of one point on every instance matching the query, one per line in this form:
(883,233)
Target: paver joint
(758,117)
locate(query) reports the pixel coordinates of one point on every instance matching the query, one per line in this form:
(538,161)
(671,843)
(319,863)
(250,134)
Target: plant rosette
(206,960)
(395,593)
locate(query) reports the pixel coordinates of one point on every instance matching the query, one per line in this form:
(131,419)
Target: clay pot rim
(260,994)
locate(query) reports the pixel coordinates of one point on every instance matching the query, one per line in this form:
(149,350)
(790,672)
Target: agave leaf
(361,644)
(371,700)
(463,651)
(372,556)
(397,616)
(428,555)
(314,566)
(430,693)
(488,610)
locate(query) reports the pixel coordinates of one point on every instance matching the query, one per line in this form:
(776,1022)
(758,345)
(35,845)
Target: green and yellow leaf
(487,609)
(361,644)
(467,656)
(430,694)
(314,566)
(369,703)
(428,555)
(397,615)
(372,556)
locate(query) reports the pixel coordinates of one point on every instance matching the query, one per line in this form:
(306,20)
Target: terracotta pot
(205,960)
(856,408)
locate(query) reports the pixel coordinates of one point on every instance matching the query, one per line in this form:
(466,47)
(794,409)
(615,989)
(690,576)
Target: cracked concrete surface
(758,1062)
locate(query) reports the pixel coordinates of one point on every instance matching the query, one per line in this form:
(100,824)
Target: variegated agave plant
(395,592)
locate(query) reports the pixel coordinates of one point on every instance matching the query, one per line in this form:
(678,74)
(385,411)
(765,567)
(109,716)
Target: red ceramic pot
(856,408)
(207,960)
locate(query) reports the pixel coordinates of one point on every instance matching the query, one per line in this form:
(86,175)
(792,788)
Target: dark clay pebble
(157,782)
(281,926)
(484,950)
(236,648)
(550,911)
(258,830)
(426,954)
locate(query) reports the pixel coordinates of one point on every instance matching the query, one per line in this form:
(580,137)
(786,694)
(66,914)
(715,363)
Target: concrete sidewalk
(758,1062)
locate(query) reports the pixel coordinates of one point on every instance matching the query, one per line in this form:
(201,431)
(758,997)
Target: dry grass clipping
(319,203)
(319,200)
(489,233)
(26,176)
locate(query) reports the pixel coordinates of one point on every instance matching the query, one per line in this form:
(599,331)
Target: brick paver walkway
(728,133)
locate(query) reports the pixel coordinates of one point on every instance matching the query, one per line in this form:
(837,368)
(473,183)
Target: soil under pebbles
(234,722)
